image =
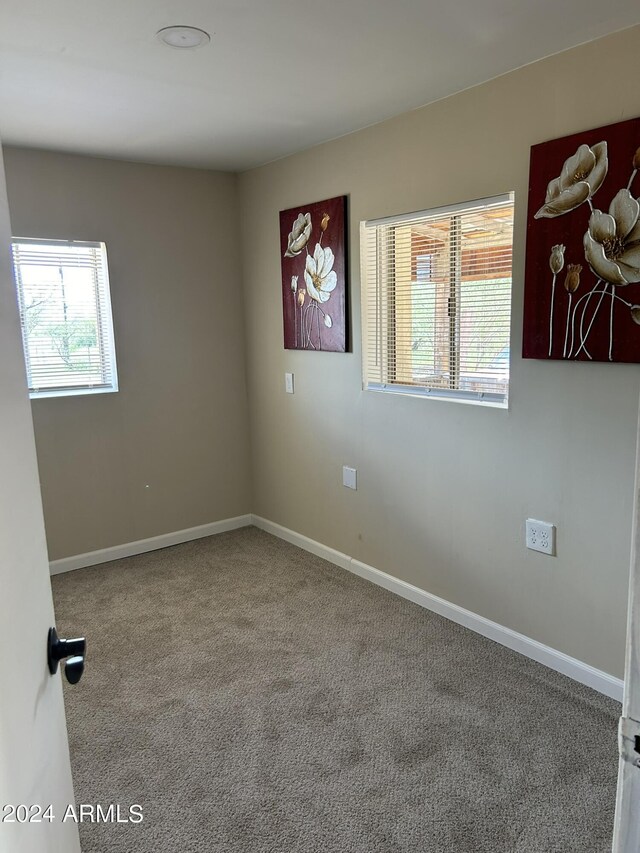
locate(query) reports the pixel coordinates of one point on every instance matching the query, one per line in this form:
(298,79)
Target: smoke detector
(183,38)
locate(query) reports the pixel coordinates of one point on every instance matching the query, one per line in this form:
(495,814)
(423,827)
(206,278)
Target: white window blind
(437,301)
(65,311)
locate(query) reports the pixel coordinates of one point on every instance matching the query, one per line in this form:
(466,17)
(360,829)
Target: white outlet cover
(288,383)
(541,536)
(349,477)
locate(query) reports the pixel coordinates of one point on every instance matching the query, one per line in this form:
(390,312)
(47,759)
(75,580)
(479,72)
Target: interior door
(34,753)
(626,835)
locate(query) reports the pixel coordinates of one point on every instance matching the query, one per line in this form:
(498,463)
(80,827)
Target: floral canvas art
(582,276)
(312,251)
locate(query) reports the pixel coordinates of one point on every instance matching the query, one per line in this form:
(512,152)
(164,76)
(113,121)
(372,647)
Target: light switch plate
(288,383)
(349,477)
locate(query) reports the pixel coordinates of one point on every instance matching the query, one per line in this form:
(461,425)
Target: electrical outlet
(541,536)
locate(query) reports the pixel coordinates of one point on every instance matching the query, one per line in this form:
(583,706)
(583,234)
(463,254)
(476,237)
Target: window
(437,301)
(65,311)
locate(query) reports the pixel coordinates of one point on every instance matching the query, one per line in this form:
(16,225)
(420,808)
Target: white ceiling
(279,75)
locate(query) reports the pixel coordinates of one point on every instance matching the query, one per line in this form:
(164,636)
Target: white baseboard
(576,669)
(572,667)
(129,549)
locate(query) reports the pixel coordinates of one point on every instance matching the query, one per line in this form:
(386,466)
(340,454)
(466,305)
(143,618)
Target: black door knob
(74,650)
(73,669)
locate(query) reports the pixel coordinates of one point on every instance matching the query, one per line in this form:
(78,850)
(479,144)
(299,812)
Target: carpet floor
(253,698)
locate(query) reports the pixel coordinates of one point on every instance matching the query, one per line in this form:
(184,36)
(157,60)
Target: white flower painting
(319,275)
(313,241)
(581,176)
(299,235)
(612,241)
(588,230)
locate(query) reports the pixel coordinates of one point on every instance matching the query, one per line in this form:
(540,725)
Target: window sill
(443,396)
(70,392)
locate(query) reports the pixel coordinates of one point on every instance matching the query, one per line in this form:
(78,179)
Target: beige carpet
(254,698)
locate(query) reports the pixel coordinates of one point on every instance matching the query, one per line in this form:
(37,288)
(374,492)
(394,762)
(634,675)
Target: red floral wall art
(312,250)
(582,277)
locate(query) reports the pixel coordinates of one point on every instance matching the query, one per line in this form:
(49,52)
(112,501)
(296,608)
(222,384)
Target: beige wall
(179,422)
(444,488)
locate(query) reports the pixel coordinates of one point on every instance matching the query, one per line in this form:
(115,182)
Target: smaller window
(437,301)
(65,311)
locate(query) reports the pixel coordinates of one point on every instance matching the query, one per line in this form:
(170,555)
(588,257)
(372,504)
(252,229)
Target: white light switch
(288,383)
(349,477)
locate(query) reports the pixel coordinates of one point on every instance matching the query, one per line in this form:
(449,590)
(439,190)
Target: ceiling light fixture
(184,38)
